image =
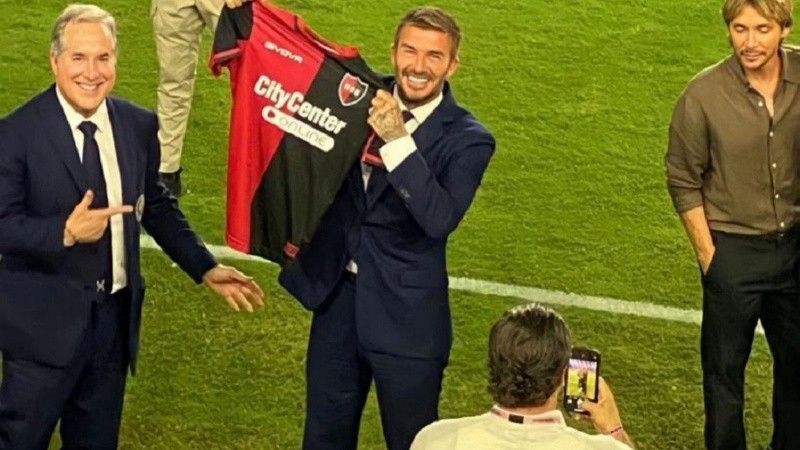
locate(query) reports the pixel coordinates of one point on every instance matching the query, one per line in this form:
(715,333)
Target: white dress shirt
(395,152)
(108,159)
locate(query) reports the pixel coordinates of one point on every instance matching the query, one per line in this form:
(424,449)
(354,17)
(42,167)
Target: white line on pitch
(604,304)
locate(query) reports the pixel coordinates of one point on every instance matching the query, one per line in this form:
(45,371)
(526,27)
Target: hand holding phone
(581,382)
(604,413)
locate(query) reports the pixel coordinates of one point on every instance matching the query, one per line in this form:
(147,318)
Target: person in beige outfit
(178,26)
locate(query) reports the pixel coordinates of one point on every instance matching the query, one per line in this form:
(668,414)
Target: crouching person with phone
(529,352)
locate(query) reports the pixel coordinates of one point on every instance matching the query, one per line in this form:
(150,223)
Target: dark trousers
(750,278)
(86,395)
(339,373)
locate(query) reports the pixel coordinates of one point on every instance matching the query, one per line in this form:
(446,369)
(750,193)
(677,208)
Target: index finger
(384,95)
(113,210)
(603,388)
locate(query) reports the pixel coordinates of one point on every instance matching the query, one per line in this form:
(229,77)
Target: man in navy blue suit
(375,273)
(78,178)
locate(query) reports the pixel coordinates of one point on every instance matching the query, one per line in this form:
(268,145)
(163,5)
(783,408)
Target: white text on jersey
(295,103)
(269,45)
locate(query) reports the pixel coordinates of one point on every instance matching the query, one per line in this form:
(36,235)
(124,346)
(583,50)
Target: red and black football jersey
(298,124)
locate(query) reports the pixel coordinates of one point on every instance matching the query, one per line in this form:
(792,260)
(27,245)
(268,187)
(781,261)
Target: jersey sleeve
(235,26)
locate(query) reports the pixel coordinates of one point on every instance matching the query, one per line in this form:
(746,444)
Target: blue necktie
(97,183)
(91,162)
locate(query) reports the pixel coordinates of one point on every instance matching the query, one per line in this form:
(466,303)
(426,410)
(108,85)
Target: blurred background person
(178,26)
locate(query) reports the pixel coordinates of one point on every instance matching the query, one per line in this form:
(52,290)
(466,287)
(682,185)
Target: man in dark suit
(73,163)
(375,273)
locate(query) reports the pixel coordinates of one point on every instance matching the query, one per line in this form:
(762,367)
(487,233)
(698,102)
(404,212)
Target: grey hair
(77,13)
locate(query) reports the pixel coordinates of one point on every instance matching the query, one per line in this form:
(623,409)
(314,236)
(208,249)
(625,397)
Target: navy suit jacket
(46,289)
(397,232)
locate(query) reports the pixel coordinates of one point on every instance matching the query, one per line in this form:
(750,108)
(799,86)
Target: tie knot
(88,128)
(407,115)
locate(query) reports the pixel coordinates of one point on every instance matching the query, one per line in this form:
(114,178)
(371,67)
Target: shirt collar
(790,67)
(554,417)
(74,118)
(421,112)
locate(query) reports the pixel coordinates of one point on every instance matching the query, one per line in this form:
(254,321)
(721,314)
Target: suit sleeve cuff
(395,152)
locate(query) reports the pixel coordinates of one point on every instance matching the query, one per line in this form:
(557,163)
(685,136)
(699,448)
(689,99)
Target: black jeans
(750,278)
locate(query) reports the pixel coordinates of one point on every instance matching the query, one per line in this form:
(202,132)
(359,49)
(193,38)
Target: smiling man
(376,267)
(78,181)
(732,166)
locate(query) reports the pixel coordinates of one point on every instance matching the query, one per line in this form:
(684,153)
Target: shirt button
(760,104)
(774,165)
(777,196)
(771,134)
(782,225)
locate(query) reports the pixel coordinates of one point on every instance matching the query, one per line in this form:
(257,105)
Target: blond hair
(778,10)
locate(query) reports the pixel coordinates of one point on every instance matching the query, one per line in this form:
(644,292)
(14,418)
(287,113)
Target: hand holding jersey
(386,118)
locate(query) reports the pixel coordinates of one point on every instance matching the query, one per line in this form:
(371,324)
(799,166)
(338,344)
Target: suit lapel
(123,139)
(56,127)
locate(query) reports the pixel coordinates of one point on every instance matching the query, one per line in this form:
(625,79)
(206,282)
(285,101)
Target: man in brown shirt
(734,145)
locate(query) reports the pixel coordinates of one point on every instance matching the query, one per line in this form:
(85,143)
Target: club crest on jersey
(351,90)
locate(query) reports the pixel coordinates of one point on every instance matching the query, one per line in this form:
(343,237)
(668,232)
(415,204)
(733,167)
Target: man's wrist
(621,435)
(207,272)
(395,135)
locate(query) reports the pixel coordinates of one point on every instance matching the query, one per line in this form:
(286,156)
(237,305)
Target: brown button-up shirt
(727,154)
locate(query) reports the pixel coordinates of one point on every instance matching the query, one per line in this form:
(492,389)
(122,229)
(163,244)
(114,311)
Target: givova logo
(286,53)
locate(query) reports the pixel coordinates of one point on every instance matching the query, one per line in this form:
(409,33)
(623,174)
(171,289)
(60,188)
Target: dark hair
(529,348)
(431,18)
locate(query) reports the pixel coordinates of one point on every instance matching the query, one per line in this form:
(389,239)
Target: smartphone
(581,378)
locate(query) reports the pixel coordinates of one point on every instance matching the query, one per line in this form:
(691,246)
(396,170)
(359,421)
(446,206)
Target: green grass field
(578,95)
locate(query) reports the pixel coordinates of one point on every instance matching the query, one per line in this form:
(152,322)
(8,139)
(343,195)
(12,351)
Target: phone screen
(581,382)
